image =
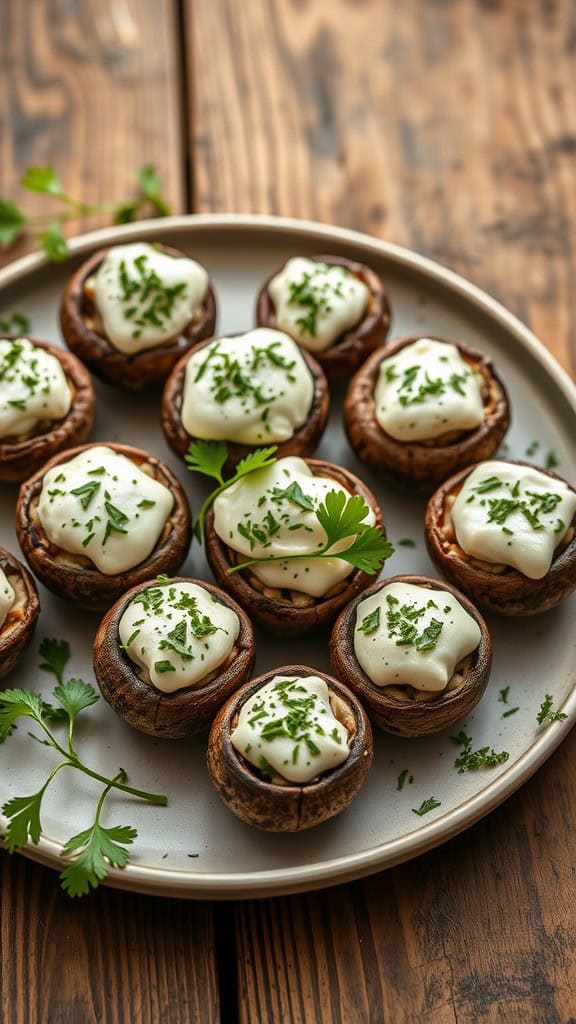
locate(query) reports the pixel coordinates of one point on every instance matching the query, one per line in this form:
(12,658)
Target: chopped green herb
(546,713)
(427,805)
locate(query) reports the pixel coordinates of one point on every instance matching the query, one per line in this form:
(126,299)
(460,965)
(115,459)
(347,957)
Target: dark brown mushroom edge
(83,332)
(22,454)
(304,440)
(404,710)
(288,612)
(496,587)
(423,464)
(348,352)
(75,577)
(18,627)
(270,802)
(127,686)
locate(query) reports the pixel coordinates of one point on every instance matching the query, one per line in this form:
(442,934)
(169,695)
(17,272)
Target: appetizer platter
(404,767)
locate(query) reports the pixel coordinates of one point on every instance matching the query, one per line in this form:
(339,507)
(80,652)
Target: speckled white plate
(195,847)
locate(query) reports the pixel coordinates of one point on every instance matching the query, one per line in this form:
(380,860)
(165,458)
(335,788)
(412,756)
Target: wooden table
(448,126)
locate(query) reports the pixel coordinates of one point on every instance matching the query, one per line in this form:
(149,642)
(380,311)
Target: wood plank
(93,89)
(449,128)
(112,957)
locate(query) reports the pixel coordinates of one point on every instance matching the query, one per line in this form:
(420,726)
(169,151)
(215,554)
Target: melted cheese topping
(410,635)
(289,728)
(513,515)
(250,389)
(426,390)
(33,387)
(179,633)
(146,297)
(271,512)
(315,302)
(7,597)
(102,506)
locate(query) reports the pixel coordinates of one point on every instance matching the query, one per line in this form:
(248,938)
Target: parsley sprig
(471,760)
(97,845)
(44,180)
(208,458)
(546,715)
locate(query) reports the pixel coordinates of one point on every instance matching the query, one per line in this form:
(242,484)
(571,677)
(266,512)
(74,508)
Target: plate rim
(164,881)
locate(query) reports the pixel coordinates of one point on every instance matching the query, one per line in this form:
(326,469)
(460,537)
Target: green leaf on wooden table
(151,186)
(42,179)
(12,220)
(53,243)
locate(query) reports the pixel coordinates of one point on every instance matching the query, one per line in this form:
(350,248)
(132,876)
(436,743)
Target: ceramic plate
(195,847)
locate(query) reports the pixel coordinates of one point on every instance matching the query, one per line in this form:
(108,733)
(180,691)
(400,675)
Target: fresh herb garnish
(208,458)
(503,698)
(470,760)
(86,492)
(14,222)
(427,805)
(403,778)
(402,623)
(15,323)
(97,845)
(406,542)
(546,714)
(370,623)
(341,517)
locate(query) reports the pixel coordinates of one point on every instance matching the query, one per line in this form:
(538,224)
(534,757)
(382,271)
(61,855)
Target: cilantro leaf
(126,212)
(55,655)
(18,704)
(368,552)
(75,695)
(12,220)
(42,179)
(24,823)
(342,517)
(99,847)
(260,459)
(208,458)
(53,243)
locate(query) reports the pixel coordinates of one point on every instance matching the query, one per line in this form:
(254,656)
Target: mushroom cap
(142,371)
(284,617)
(20,457)
(292,807)
(410,718)
(508,592)
(347,353)
(304,440)
(16,635)
(418,464)
(169,715)
(84,584)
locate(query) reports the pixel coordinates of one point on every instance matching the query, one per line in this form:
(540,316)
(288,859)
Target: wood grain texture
(113,957)
(481,930)
(446,126)
(92,87)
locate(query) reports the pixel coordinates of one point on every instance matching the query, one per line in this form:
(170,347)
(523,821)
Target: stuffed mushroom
(19,611)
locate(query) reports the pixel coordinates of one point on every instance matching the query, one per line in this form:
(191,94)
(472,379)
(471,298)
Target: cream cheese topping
(409,635)
(426,390)
(145,297)
(251,389)
(288,728)
(513,515)
(316,302)
(33,387)
(271,512)
(101,505)
(179,633)
(7,597)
